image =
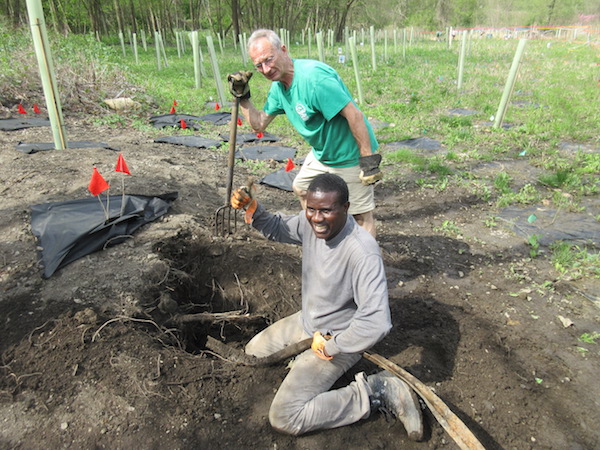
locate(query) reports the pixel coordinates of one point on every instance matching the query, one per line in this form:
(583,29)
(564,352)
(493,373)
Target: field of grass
(556,93)
(555,101)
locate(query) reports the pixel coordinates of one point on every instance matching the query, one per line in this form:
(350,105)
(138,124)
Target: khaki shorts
(362,198)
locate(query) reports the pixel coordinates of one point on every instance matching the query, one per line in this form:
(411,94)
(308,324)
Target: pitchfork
(225,216)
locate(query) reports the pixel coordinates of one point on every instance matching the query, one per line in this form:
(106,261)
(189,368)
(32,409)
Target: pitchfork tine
(223,215)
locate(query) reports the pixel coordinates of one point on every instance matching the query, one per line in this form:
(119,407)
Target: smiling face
(274,63)
(326,215)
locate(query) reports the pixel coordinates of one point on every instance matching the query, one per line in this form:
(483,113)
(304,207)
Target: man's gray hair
(270,35)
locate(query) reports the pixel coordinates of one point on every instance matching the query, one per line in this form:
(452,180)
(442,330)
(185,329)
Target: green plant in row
(575,262)
(419,163)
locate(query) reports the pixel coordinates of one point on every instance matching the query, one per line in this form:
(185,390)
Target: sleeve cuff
(331,348)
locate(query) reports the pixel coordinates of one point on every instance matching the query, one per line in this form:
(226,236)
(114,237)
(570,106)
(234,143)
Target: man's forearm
(258,120)
(356,122)
(276,227)
(363,140)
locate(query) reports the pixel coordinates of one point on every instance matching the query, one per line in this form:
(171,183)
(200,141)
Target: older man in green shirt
(318,104)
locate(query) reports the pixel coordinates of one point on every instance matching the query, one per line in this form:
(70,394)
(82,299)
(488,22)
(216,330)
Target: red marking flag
(217,106)
(174,102)
(36,109)
(290,165)
(122,165)
(239,121)
(21,109)
(173,111)
(183,124)
(97,184)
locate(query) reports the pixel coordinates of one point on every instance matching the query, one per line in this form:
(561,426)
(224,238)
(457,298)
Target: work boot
(391,394)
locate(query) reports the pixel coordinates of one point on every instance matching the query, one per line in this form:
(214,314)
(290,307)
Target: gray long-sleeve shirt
(344,287)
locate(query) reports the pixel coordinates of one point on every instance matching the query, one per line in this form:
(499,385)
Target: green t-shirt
(312,104)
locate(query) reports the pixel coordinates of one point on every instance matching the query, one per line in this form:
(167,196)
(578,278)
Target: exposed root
(234,355)
(131,319)
(230,316)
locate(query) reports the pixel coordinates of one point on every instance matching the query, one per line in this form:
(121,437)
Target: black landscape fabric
(266,152)
(280,179)
(28,149)
(243,138)
(552,225)
(67,231)
(218,118)
(22,122)
(189,141)
(193,122)
(461,112)
(174,120)
(422,143)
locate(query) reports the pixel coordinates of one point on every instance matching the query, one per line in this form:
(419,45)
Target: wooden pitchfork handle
(232,141)
(455,427)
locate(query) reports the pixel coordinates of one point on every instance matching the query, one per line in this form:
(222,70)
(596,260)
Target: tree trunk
(235,19)
(193,21)
(53,15)
(92,9)
(339,32)
(118,14)
(14,12)
(66,29)
(153,22)
(133,20)
(551,12)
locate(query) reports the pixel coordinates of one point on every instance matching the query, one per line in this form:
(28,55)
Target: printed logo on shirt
(301,110)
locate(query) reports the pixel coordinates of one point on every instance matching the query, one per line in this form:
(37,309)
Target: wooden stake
(135,49)
(352,42)
(215,68)
(510,84)
(46,67)
(373,56)
(461,60)
(122,40)
(196,57)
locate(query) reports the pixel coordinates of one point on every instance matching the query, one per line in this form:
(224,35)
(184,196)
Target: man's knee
(367,221)
(299,191)
(282,421)
(301,194)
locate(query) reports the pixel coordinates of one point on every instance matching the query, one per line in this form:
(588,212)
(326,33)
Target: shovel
(226,216)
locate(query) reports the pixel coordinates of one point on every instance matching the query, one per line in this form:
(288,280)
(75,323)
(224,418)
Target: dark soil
(93,357)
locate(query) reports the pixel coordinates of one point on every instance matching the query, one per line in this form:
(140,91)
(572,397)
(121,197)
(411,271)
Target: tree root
(239,357)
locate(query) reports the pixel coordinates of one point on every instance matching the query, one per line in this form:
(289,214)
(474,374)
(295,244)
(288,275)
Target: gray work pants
(304,402)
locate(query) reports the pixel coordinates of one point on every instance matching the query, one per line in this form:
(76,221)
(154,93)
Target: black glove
(369,169)
(238,84)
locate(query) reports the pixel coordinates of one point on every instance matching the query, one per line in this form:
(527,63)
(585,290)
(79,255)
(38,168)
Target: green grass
(449,228)
(574,262)
(589,338)
(527,195)
(502,183)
